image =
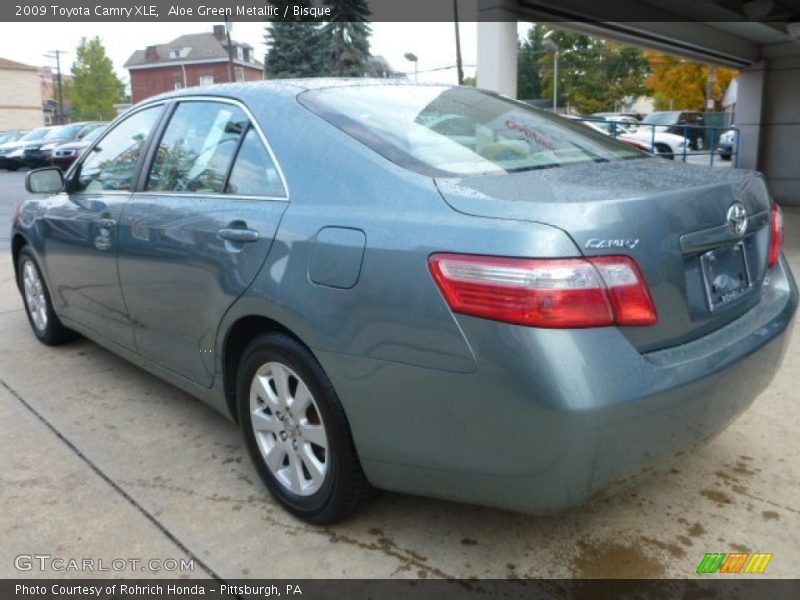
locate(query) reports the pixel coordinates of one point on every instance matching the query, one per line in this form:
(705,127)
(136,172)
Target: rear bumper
(551,418)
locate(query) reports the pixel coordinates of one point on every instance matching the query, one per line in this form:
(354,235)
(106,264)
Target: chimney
(151,53)
(219,32)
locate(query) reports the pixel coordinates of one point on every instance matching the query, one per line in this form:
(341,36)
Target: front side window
(254,173)
(440,130)
(197,148)
(111,165)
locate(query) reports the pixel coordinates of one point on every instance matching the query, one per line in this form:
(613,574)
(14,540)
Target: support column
(497,46)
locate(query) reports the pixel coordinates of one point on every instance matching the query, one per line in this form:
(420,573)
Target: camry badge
(597,244)
(737,219)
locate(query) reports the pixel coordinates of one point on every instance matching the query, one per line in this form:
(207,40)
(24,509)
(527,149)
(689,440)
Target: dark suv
(687,123)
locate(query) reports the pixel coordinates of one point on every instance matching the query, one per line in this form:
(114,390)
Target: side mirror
(49,180)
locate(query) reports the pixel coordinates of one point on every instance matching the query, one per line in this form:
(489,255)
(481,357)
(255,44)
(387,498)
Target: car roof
(284,87)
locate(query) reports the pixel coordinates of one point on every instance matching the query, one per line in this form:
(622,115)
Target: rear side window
(197,148)
(254,173)
(111,165)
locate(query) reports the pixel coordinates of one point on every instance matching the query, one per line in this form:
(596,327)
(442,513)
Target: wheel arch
(238,336)
(18,242)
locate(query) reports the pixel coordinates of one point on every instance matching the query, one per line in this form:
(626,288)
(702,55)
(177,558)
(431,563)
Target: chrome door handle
(238,235)
(106,223)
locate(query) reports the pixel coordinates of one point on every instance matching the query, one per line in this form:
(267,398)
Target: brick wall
(156,80)
(20,99)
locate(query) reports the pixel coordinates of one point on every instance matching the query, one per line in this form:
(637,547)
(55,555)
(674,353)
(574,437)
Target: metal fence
(674,141)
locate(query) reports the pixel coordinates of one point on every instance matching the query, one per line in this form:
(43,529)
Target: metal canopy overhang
(702,30)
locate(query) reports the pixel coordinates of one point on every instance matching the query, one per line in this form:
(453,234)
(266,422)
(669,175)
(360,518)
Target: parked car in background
(521,313)
(727,143)
(11,136)
(665,145)
(64,155)
(12,153)
(685,123)
(627,119)
(38,155)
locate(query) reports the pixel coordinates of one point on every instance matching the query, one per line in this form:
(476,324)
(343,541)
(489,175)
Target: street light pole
(553,47)
(411,57)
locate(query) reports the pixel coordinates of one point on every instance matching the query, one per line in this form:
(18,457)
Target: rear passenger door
(195,235)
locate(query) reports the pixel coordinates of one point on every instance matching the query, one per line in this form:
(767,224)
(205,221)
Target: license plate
(725,274)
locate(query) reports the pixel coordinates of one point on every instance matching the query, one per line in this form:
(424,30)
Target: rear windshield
(442,130)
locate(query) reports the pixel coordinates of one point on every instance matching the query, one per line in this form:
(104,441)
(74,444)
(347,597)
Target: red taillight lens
(775,236)
(554,293)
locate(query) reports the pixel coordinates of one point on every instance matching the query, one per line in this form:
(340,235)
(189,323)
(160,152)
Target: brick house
(20,96)
(188,61)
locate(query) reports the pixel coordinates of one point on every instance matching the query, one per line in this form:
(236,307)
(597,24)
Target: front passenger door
(193,240)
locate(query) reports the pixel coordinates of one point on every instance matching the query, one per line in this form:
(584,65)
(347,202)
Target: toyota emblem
(737,219)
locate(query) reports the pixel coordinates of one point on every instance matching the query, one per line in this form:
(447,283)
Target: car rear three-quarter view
(420,288)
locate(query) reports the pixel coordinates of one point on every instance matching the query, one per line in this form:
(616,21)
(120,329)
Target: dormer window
(239,53)
(174,52)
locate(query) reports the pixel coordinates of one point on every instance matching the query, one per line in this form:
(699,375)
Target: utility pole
(57,55)
(230,49)
(458,44)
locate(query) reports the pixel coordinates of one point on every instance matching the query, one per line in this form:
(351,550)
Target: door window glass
(111,165)
(197,148)
(254,173)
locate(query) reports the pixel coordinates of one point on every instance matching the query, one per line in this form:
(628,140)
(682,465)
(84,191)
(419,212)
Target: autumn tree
(680,84)
(95,88)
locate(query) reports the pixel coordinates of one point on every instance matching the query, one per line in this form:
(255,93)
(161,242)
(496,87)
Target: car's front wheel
(38,305)
(296,431)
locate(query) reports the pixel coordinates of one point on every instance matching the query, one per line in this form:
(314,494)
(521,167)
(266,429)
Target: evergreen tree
(529,76)
(295,48)
(95,88)
(347,38)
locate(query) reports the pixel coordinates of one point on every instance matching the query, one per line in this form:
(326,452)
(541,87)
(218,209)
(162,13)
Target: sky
(433,43)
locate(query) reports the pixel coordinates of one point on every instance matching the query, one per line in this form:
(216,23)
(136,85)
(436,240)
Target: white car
(662,143)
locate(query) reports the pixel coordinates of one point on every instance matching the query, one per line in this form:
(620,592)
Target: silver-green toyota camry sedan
(421,288)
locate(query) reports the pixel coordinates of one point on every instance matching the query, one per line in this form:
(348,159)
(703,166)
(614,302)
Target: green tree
(347,38)
(529,76)
(295,48)
(95,88)
(595,74)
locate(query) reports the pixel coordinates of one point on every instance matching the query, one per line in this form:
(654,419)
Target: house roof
(11,65)
(201,47)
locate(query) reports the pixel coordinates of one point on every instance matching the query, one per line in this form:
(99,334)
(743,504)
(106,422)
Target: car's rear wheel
(38,305)
(296,431)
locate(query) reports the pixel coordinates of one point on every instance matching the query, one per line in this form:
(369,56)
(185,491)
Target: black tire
(344,487)
(664,151)
(53,333)
(12,167)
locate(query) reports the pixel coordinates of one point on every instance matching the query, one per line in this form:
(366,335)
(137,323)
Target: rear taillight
(554,293)
(775,236)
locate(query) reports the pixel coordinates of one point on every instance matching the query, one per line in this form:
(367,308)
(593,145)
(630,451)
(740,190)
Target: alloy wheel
(289,429)
(35,299)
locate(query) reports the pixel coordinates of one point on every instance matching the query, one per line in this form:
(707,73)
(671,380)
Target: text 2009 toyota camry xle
(420,288)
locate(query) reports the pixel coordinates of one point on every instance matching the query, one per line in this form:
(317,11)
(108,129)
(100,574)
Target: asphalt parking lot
(99,459)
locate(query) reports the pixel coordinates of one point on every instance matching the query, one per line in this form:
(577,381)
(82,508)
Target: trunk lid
(668,217)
